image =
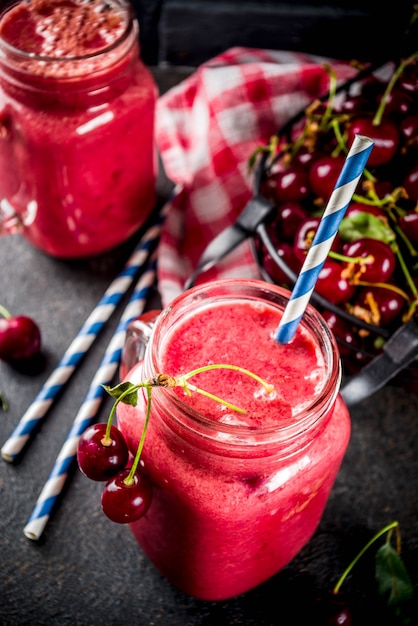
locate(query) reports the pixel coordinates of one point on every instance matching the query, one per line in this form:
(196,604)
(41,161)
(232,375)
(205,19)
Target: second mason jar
(235,495)
(77,154)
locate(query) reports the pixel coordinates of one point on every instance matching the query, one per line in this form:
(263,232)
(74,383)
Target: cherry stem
(376,201)
(387,529)
(165,380)
(387,202)
(405,270)
(411,249)
(332,91)
(267,386)
(341,143)
(357,260)
(389,286)
(4,312)
(396,74)
(107,440)
(129,480)
(298,143)
(270,149)
(182,382)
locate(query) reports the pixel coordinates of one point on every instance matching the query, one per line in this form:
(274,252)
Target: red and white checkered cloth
(206,129)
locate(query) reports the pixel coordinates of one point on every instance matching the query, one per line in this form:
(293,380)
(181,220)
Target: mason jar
(236,496)
(77,155)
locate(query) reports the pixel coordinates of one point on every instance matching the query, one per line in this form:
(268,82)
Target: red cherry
(20,338)
(97,460)
(305,235)
(409,224)
(342,332)
(381,302)
(284,251)
(409,79)
(383,261)
(323,175)
(409,127)
(355,104)
(398,102)
(305,157)
(358,207)
(383,188)
(331,285)
(385,136)
(410,183)
(124,503)
(372,87)
(334,611)
(291,184)
(290,216)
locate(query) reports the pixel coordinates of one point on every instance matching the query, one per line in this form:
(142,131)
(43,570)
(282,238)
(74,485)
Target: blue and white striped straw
(89,408)
(15,444)
(334,212)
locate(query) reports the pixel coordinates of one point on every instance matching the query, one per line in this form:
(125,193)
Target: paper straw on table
(15,444)
(89,408)
(334,212)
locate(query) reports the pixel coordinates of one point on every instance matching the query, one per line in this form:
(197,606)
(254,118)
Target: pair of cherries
(103,455)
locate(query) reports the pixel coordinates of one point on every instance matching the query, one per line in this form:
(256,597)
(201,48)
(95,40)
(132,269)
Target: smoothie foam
(63,28)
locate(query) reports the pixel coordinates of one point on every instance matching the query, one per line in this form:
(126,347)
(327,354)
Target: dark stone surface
(87,571)
(186,32)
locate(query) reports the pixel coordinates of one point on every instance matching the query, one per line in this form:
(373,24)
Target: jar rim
(303,420)
(23,55)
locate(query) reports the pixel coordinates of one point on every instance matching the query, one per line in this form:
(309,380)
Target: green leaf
(365,224)
(391,576)
(128,390)
(3,402)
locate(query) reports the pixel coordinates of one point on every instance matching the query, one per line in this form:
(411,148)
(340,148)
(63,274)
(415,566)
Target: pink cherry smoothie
(77,151)
(236,495)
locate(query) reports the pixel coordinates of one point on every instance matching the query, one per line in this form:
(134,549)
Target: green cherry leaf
(391,576)
(127,392)
(365,224)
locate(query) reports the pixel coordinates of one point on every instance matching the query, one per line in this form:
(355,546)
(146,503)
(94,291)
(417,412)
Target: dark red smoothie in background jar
(77,154)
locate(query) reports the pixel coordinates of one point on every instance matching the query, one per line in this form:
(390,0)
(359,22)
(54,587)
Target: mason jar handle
(138,334)
(10,221)
(13,219)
